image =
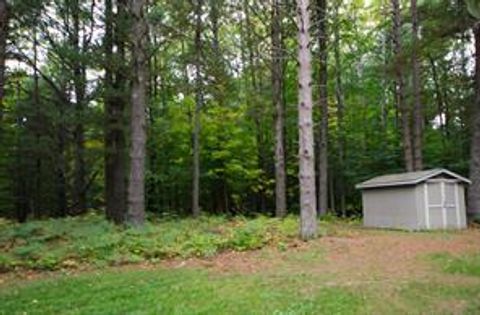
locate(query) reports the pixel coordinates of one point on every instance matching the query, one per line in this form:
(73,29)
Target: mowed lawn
(349,270)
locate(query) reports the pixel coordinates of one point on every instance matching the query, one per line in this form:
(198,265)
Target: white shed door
(451,205)
(442,206)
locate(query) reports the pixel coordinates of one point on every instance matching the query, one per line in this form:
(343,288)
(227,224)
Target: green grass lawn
(176,292)
(198,291)
(464,264)
(284,279)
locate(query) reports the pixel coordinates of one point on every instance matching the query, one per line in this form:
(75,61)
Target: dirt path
(356,256)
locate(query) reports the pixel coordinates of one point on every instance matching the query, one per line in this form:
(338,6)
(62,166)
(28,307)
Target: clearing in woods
(354,271)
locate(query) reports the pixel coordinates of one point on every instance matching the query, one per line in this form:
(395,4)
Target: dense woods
(231,107)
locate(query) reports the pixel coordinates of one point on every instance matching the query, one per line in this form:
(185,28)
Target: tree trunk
(37,125)
(61,184)
(441,108)
(417,108)
(153,187)
(340,114)
(136,188)
(474,189)
(331,184)
(218,85)
(115,144)
(79,81)
(323,91)
(214,6)
(400,88)
(198,107)
(277,90)
(256,109)
(61,180)
(386,37)
(21,191)
(3,50)
(308,211)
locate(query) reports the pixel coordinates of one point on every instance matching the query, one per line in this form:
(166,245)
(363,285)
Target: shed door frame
(443,205)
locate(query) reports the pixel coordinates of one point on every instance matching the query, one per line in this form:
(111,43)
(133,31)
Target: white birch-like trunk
(308,213)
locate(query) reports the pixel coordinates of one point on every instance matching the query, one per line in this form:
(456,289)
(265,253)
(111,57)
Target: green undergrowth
(466,264)
(91,240)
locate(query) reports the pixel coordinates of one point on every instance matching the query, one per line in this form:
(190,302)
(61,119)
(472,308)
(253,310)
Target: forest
(231,107)
(203,156)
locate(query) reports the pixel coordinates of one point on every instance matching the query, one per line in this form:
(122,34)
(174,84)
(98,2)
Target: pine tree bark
(277,91)
(474,189)
(400,88)
(417,108)
(79,81)
(340,114)
(61,179)
(217,71)
(323,93)
(136,188)
(198,106)
(3,50)
(36,201)
(255,82)
(214,16)
(308,211)
(441,108)
(153,188)
(384,101)
(61,183)
(21,191)
(114,98)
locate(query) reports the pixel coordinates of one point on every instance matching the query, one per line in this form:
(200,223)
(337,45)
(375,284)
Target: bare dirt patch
(392,254)
(360,256)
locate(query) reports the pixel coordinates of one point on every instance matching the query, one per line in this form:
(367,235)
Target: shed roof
(410,178)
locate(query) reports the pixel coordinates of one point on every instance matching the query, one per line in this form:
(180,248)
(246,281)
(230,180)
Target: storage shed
(433,199)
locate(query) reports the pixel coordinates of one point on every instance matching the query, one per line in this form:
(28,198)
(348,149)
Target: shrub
(91,240)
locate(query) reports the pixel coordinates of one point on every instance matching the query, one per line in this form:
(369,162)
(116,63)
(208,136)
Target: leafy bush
(91,240)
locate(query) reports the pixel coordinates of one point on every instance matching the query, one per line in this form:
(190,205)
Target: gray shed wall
(463,208)
(390,207)
(406,207)
(420,205)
